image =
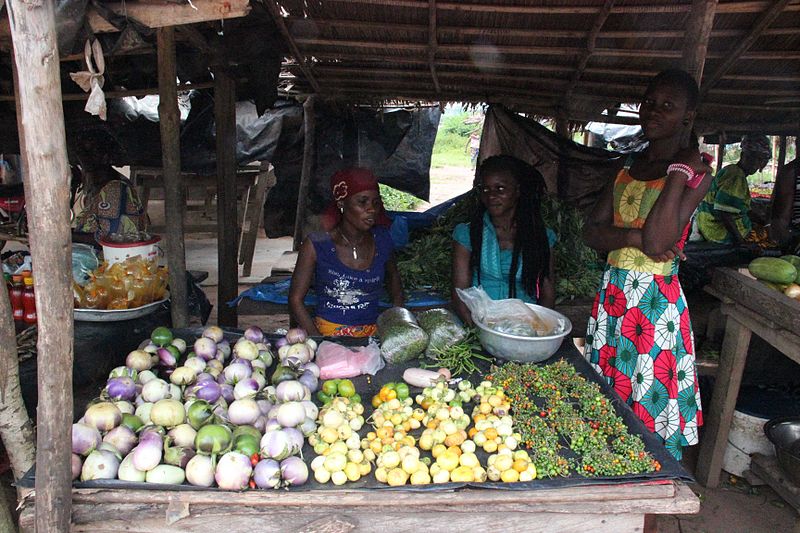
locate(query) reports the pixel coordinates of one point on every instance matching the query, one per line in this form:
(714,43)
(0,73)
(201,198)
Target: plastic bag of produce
(443,328)
(401,337)
(337,361)
(510,316)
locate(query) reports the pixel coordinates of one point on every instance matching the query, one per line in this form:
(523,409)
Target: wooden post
(723,402)
(47,201)
(174,194)
(16,429)
(781,160)
(695,43)
(696,36)
(225,121)
(721,150)
(309,156)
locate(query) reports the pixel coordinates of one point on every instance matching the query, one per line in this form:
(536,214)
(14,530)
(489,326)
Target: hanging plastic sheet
(575,172)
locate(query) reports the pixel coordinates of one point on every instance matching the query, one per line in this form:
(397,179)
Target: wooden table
(750,308)
(599,508)
(254,182)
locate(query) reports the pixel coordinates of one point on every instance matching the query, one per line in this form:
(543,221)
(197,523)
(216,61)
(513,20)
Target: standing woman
(639,335)
(349,263)
(506,234)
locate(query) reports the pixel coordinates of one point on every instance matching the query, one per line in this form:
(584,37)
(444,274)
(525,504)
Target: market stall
(751,308)
(568,493)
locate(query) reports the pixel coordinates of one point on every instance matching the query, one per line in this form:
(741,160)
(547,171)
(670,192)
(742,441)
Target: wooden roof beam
(159,15)
(523,67)
(657,8)
(274,11)
(697,35)
(632,92)
(516,50)
(766,18)
(524,33)
(195,38)
(432,43)
(591,39)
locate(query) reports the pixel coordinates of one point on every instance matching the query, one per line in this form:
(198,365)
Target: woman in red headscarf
(350,263)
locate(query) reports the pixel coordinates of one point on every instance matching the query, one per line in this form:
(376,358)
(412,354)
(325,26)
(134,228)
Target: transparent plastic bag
(336,361)
(511,316)
(401,337)
(84,261)
(443,328)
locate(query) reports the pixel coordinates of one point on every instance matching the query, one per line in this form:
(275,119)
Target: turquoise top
(495,263)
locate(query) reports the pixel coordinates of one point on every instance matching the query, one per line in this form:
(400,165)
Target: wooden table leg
(720,413)
(251,221)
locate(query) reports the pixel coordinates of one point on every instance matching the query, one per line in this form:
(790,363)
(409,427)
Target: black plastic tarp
(368,386)
(396,144)
(575,172)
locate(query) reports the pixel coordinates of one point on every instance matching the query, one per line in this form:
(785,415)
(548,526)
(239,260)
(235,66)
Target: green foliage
(578,268)
(450,148)
(395,200)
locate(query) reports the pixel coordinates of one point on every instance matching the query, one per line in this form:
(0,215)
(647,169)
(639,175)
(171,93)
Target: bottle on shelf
(15,295)
(29,302)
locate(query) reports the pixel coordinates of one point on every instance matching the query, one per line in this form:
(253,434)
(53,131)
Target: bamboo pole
(174,195)
(225,121)
(47,200)
(307,171)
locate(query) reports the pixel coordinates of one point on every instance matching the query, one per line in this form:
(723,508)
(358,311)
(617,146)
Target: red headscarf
(346,183)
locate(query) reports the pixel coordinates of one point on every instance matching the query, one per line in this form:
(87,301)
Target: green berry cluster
(556,410)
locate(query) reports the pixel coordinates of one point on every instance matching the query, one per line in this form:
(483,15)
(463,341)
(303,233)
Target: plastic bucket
(116,252)
(746,438)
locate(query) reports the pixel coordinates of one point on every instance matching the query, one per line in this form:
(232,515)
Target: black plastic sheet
(367,386)
(575,172)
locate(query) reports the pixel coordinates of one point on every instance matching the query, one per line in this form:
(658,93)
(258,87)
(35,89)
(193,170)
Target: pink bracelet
(680,168)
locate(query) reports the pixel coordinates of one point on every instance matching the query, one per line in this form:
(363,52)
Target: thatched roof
(567,58)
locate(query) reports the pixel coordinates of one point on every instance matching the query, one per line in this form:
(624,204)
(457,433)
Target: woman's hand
(692,158)
(669,255)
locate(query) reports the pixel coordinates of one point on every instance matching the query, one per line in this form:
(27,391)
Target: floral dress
(639,336)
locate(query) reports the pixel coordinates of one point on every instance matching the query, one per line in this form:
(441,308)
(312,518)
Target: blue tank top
(346,295)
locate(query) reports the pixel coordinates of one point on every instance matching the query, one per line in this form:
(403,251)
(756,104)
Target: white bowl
(525,349)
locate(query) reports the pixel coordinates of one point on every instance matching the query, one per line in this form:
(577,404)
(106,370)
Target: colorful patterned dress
(639,335)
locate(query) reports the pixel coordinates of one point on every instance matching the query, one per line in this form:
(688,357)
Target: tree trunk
(47,201)
(7,524)
(16,430)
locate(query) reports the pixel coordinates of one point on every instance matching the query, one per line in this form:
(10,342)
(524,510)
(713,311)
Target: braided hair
(530,240)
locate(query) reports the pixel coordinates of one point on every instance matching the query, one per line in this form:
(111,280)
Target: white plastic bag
(510,316)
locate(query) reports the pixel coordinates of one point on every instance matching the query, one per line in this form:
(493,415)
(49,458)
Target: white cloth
(92,80)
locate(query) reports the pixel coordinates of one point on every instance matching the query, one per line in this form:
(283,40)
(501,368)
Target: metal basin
(525,349)
(784,434)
